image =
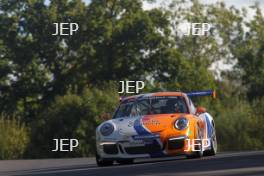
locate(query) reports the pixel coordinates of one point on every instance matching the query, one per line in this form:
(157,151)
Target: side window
(193,109)
(124,110)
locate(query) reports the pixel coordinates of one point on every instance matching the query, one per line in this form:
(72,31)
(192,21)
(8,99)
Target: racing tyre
(125,161)
(103,162)
(213,149)
(199,148)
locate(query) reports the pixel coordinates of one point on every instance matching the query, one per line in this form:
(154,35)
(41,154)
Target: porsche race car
(156,125)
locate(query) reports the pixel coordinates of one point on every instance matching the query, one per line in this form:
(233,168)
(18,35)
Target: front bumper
(143,148)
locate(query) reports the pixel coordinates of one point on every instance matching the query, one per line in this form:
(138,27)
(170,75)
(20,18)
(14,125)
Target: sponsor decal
(150,122)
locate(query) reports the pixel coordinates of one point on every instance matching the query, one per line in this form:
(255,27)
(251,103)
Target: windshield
(152,105)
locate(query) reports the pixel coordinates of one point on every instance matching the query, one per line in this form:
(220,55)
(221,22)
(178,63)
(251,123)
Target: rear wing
(189,94)
(202,93)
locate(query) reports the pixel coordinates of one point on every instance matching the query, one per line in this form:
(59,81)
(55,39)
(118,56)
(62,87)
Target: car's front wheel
(213,149)
(198,153)
(101,162)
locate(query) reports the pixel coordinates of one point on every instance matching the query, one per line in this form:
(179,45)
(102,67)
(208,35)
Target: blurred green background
(59,86)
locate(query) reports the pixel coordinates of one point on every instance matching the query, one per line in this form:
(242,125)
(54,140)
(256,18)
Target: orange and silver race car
(155,125)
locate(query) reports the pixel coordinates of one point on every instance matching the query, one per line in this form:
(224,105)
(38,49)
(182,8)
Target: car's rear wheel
(101,162)
(125,161)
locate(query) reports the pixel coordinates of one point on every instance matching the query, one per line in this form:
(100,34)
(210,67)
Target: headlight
(106,129)
(181,123)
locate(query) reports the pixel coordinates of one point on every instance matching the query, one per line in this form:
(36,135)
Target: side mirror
(105,116)
(200,110)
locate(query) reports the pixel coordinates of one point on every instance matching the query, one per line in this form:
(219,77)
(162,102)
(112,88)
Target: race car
(156,125)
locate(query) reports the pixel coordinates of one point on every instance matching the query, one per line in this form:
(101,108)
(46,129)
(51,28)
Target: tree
(250,59)
(117,40)
(77,117)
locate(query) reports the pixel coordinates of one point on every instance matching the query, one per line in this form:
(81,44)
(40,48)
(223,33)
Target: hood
(144,125)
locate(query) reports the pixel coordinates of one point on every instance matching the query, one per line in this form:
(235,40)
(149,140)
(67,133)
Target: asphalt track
(231,163)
